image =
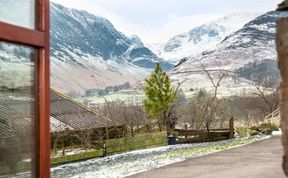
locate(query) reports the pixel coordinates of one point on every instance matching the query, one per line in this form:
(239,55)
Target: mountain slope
(254,42)
(90,46)
(203,37)
(96,36)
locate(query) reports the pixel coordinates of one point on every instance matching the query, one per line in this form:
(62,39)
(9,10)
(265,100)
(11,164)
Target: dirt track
(257,160)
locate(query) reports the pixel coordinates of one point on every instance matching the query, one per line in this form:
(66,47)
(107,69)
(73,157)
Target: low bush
(267,128)
(254,130)
(264,128)
(175,134)
(243,132)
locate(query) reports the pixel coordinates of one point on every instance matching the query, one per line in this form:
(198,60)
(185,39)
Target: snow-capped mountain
(201,38)
(90,47)
(254,42)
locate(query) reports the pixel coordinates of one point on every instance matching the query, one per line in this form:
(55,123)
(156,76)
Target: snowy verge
(277,133)
(126,164)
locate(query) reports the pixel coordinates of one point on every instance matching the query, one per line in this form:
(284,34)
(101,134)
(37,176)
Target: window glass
(18,12)
(17,108)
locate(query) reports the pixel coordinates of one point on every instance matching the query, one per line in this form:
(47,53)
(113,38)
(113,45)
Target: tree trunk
(282,49)
(132,131)
(159,124)
(208,130)
(167,123)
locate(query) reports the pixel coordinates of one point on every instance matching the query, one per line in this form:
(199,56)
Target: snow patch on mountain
(254,42)
(87,52)
(201,38)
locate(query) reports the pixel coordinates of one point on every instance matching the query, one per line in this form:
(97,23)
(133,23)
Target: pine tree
(160,96)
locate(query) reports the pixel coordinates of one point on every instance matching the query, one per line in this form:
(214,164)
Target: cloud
(175,25)
(151,32)
(155,20)
(178,24)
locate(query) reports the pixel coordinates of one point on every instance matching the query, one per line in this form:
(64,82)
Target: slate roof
(75,114)
(16,112)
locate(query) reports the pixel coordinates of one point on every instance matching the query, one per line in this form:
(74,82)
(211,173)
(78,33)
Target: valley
(81,60)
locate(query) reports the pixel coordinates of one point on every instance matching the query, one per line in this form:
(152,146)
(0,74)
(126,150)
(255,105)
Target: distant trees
(266,77)
(107,90)
(205,110)
(160,96)
(260,71)
(130,115)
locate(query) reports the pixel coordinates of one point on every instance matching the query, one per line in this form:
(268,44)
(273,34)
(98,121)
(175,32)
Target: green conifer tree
(160,96)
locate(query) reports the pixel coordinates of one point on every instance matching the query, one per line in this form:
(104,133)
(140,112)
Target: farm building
(67,116)
(74,115)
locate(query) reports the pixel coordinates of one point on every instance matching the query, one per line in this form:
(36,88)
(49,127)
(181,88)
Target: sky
(155,21)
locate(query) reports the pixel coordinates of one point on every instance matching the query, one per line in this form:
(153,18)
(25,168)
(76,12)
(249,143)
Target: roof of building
(17,109)
(74,114)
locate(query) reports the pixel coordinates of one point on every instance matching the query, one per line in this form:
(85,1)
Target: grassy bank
(138,142)
(190,152)
(113,146)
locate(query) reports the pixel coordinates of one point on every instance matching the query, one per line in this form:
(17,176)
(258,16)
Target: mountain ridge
(203,37)
(254,42)
(92,46)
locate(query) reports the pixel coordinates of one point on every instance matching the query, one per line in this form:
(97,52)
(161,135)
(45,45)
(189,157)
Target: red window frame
(40,39)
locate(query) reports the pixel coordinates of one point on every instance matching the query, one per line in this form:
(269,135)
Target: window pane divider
(21,35)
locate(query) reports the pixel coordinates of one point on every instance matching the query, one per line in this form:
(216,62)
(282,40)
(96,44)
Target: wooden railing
(193,136)
(273,117)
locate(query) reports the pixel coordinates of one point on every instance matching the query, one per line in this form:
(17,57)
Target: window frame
(40,39)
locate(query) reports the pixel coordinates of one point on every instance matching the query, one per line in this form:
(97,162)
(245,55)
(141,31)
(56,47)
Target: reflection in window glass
(18,12)
(16,109)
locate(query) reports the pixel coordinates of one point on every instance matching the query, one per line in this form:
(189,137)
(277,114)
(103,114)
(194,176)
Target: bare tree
(215,82)
(268,97)
(130,115)
(204,111)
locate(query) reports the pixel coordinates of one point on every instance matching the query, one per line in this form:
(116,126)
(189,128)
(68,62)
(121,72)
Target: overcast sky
(158,20)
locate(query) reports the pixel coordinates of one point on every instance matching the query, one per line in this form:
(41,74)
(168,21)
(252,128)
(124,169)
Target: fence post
(231,128)
(104,148)
(106,133)
(185,126)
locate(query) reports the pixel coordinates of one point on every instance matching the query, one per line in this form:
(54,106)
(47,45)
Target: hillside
(253,42)
(201,38)
(88,52)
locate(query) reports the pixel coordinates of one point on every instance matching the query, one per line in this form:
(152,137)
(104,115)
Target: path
(261,159)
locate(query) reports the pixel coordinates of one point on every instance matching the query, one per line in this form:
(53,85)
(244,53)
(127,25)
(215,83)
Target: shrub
(175,134)
(267,128)
(254,130)
(243,132)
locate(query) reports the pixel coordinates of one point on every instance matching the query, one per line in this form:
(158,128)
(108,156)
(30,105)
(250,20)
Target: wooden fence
(193,136)
(111,146)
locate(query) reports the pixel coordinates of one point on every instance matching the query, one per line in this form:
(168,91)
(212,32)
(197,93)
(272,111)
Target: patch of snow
(126,164)
(201,38)
(277,133)
(56,125)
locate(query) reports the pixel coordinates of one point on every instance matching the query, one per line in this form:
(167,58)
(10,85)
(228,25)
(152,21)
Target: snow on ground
(277,133)
(125,164)
(70,152)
